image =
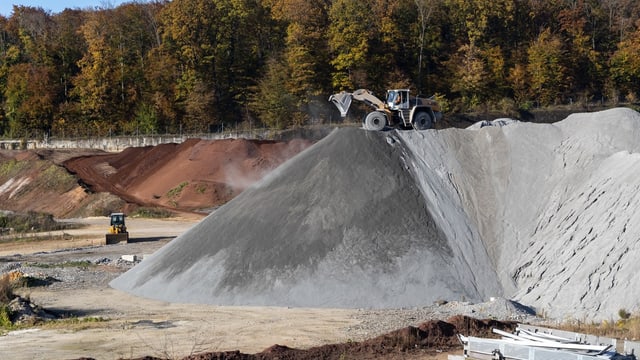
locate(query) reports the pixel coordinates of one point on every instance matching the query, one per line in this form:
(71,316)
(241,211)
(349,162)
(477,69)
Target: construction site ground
(134,327)
(428,227)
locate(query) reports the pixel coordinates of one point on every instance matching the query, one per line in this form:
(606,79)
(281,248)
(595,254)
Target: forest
(155,67)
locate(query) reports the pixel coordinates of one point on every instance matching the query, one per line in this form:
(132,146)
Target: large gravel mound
(554,204)
(545,214)
(342,224)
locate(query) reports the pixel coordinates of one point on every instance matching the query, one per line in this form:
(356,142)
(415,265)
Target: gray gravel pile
(553,204)
(343,224)
(541,213)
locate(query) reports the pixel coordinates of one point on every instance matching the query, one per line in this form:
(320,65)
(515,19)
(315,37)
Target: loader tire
(375,121)
(422,121)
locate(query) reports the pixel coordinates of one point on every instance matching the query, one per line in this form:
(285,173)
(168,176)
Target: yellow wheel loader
(117,229)
(398,110)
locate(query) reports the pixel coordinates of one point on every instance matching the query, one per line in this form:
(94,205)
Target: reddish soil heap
(192,176)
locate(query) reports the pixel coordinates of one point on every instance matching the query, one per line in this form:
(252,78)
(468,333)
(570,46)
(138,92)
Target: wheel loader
(117,229)
(398,110)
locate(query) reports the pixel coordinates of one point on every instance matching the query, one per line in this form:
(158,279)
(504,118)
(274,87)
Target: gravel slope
(554,205)
(341,225)
(543,213)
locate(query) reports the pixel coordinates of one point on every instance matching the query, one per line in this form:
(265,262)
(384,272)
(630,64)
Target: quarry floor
(135,327)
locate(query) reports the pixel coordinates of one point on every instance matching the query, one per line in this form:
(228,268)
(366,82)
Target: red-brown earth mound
(194,175)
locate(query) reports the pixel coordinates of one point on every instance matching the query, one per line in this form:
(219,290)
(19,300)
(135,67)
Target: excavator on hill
(117,229)
(399,109)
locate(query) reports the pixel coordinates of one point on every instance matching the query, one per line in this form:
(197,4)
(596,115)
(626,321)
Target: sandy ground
(138,327)
(92,234)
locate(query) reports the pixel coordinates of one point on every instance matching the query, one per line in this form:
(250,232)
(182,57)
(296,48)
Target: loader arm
(342,100)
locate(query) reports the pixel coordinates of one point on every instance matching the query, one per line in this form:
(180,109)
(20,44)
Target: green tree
(68,48)
(580,26)
(352,25)
(217,49)
(425,10)
(471,75)
(482,21)
(29,95)
(161,81)
(624,71)
(275,105)
(111,80)
(35,30)
(304,54)
(546,69)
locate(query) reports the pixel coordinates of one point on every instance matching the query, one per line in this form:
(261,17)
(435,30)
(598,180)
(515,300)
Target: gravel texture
(539,213)
(76,269)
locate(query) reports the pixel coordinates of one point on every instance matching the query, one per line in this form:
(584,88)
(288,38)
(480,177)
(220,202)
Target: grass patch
(23,238)
(29,222)
(57,178)
(152,213)
(12,167)
(627,327)
(82,264)
(177,190)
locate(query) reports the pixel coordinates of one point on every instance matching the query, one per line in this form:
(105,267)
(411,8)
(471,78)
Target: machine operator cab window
(117,219)
(398,99)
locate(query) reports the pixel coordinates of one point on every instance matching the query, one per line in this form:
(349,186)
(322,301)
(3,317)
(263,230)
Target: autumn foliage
(199,65)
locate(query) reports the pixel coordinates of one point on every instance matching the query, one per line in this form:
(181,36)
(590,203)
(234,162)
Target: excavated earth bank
(196,175)
(542,213)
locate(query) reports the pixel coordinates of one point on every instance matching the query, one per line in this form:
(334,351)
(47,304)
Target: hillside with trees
(197,65)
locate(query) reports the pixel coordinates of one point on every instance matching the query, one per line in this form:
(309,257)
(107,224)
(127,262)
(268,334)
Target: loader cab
(398,99)
(117,219)
(117,229)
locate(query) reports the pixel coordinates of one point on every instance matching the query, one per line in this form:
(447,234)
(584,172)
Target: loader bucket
(116,238)
(342,101)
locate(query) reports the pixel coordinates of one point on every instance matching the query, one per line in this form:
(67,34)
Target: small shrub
(624,314)
(177,190)
(58,179)
(12,167)
(507,107)
(527,105)
(82,264)
(6,290)
(443,102)
(5,317)
(153,213)
(30,221)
